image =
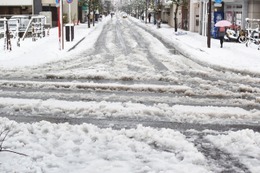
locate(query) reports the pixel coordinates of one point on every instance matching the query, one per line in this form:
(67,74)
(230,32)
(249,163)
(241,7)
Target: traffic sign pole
(69,2)
(69,13)
(58,12)
(61,25)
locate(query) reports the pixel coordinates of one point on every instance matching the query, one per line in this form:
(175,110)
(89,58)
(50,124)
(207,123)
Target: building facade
(193,15)
(182,15)
(12,7)
(35,7)
(235,11)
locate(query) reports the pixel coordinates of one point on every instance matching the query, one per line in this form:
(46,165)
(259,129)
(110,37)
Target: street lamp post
(209,24)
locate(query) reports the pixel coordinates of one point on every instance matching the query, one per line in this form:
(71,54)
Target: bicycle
(253,35)
(253,38)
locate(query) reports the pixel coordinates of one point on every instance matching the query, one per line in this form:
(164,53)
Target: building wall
(196,15)
(37,7)
(12,7)
(171,21)
(171,16)
(254,9)
(48,2)
(250,9)
(15,2)
(20,7)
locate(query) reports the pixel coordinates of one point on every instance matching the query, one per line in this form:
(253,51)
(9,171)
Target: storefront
(254,9)
(217,15)
(234,11)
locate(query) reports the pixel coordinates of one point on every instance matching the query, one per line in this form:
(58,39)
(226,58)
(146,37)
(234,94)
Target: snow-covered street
(125,96)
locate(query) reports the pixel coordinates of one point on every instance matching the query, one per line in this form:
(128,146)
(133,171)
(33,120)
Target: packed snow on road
(119,98)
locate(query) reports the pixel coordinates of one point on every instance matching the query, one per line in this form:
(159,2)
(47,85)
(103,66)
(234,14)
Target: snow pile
(104,109)
(244,144)
(233,56)
(86,148)
(47,49)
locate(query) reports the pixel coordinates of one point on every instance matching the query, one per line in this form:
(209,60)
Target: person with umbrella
(222,24)
(221,34)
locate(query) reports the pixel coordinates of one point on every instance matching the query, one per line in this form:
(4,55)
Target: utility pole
(209,24)
(89,8)
(146,10)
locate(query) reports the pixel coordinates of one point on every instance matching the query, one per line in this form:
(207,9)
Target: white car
(124,15)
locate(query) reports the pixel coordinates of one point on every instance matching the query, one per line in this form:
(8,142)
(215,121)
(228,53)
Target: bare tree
(178,3)
(3,136)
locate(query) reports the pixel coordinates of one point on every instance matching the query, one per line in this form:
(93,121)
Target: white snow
(87,148)
(243,144)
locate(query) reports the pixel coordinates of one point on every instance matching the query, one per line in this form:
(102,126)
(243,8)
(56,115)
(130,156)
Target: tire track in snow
(143,44)
(148,94)
(248,90)
(205,64)
(218,160)
(67,89)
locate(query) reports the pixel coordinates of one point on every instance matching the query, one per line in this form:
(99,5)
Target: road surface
(133,77)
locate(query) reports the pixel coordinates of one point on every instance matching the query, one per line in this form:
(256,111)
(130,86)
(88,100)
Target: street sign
(218,1)
(57,3)
(69,1)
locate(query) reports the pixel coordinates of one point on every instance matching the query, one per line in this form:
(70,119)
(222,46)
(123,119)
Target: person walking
(221,34)
(149,17)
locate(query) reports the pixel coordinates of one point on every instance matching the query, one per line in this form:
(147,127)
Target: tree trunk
(89,13)
(175,18)
(93,17)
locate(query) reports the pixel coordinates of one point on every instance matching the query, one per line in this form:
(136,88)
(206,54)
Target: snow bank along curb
(189,52)
(99,26)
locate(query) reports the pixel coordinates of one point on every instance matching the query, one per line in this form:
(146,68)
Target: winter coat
(221,32)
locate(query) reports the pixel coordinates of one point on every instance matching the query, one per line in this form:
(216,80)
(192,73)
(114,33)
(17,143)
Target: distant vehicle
(124,15)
